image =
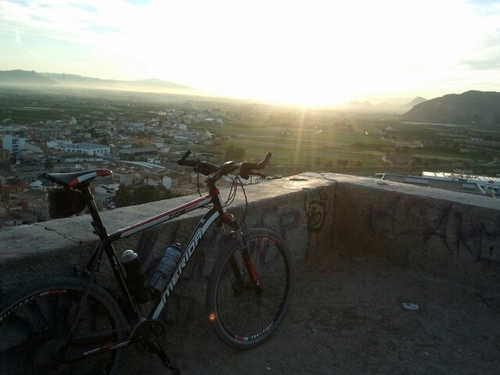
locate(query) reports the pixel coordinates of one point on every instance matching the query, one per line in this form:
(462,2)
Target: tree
(48,165)
(235,153)
(124,196)
(146,194)
(127,196)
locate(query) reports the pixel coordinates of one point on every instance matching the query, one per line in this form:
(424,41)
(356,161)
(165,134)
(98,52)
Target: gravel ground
(354,317)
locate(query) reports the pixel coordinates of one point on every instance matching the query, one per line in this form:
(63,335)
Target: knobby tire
(35,323)
(238,315)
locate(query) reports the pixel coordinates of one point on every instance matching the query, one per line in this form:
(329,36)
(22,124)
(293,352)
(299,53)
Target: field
(300,139)
(357,145)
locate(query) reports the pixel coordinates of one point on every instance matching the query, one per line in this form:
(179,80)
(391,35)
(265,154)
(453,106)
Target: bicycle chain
(153,327)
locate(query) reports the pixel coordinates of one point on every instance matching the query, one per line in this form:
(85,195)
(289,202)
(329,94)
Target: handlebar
(206,168)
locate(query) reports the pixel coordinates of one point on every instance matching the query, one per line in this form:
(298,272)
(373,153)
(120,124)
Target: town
(139,136)
(138,141)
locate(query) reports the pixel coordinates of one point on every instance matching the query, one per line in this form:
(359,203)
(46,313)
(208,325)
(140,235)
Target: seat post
(97,222)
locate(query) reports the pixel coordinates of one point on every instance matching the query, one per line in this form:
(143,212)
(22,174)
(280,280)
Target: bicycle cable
(232,193)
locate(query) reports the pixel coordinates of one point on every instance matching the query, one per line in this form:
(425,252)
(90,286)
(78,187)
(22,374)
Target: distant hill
(471,107)
(23,77)
(386,106)
(415,102)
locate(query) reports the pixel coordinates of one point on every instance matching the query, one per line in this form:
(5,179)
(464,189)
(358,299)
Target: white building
(87,148)
(13,144)
(55,144)
(167,182)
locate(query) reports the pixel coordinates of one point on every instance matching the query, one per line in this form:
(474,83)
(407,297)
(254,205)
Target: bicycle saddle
(73,179)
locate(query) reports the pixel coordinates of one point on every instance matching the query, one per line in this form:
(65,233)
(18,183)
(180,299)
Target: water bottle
(135,276)
(166,267)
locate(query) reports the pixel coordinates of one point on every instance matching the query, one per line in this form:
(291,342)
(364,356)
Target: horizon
(310,54)
(147,89)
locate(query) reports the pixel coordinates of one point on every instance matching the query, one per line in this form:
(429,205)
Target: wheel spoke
(35,332)
(247,319)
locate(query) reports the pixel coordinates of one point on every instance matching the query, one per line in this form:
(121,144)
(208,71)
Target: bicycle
(75,326)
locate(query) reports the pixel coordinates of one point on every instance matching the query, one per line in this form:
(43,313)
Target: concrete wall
(447,235)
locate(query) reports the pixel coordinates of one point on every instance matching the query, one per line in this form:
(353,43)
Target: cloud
(487,54)
(243,45)
(34,54)
(491,64)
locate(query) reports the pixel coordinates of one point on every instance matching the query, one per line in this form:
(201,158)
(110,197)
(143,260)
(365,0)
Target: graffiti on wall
(317,205)
(457,231)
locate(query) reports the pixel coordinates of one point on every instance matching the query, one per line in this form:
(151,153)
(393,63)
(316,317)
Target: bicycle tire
(34,326)
(238,316)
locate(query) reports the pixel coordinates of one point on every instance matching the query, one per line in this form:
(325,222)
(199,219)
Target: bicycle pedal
(154,343)
(174,369)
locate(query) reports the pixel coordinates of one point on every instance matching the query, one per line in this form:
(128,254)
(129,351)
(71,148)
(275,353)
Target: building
(4,156)
(186,190)
(13,144)
(137,151)
(7,189)
(125,178)
(104,201)
(87,148)
(459,182)
(32,201)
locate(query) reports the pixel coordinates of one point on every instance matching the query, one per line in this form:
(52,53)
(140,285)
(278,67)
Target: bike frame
(216,214)
(218,211)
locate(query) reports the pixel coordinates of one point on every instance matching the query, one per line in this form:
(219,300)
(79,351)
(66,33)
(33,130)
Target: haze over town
(310,53)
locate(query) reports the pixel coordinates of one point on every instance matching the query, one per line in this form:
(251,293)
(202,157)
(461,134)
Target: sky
(303,52)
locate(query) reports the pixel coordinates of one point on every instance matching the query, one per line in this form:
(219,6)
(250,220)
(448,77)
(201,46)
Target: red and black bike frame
(217,213)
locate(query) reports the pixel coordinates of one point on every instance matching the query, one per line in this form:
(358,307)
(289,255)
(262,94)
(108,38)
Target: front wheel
(248,296)
(35,330)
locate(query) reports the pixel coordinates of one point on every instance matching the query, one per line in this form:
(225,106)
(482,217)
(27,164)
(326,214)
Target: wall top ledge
(18,241)
(424,192)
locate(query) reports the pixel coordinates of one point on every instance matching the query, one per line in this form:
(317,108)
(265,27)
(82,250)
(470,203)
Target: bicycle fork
(239,287)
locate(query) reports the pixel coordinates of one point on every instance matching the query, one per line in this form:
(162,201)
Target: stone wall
(446,235)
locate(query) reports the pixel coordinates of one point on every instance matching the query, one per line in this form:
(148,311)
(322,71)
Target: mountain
(415,102)
(360,105)
(386,106)
(471,107)
(22,77)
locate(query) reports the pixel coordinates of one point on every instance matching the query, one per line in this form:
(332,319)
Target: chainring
(140,338)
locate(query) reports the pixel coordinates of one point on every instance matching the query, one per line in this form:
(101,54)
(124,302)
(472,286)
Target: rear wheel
(35,326)
(242,314)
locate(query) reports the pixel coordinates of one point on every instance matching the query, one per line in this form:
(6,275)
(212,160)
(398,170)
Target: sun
(308,97)
(305,96)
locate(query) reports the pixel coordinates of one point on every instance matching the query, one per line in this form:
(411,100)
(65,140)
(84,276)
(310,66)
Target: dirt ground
(347,317)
